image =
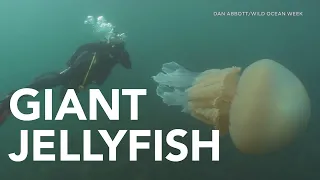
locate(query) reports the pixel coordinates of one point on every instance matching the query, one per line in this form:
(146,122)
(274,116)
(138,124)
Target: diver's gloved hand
(124,60)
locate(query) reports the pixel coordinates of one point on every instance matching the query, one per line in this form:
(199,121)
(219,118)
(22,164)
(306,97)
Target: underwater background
(39,36)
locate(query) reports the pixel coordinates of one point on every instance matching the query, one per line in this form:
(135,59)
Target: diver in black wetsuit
(90,64)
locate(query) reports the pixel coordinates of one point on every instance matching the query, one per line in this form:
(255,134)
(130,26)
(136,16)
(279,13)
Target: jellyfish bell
(270,109)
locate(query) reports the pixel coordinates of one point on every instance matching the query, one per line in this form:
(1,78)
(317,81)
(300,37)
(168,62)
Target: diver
(90,64)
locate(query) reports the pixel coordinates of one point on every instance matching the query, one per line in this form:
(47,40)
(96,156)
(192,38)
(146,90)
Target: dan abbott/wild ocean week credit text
(113,114)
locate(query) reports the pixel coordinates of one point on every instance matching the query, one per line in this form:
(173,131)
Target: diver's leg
(43,82)
(5,107)
(47,81)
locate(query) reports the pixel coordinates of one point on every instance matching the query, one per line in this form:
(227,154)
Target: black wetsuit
(106,57)
(81,70)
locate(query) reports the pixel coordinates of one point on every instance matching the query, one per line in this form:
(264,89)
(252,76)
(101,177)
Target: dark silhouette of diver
(90,64)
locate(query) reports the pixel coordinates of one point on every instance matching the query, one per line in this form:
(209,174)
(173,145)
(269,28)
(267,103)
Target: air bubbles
(101,25)
(89,20)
